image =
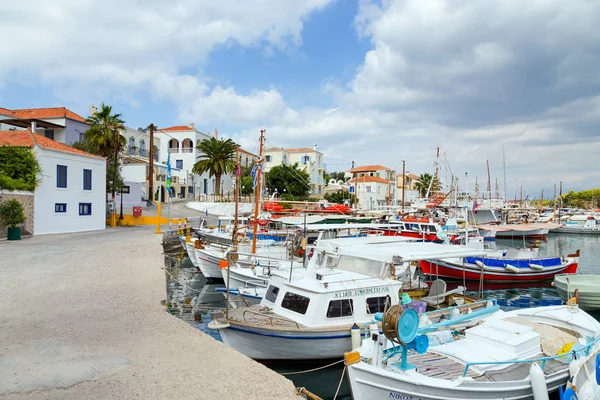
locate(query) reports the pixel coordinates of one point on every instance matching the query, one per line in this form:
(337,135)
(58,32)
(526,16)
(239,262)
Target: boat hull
(529,234)
(208,264)
(191,252)
(268,344)
(369,383)
(588,293)
(457,270)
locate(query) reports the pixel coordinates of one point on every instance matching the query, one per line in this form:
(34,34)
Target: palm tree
(104,134)
(425,180)
(217,157)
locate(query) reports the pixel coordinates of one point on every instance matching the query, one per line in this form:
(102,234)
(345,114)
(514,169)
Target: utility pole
(403,183)
(151,128)
(355,199)
(257,192)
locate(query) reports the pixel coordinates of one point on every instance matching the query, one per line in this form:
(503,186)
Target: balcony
(187,150)
(174,150)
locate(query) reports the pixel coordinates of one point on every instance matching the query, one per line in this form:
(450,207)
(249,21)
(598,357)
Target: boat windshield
(360,265)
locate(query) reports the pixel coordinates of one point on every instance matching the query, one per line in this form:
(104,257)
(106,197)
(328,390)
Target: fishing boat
(521,354)
(510,266)
(520,231)
(580,224)
(585,287)
(584,382)
(311,318)
(423,228)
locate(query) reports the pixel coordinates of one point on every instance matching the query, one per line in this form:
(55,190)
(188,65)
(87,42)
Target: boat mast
(554,202)
(504,168)
(257,191)
(489,185)
(403,183)
(560,200)
(466,212)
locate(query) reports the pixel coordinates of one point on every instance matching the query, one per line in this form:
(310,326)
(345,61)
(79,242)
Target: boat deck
(257,315)
(439,366)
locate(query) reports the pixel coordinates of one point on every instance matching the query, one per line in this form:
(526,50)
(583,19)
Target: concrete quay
(80,318)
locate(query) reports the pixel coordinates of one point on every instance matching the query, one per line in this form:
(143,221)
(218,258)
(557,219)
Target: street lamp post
(121,214)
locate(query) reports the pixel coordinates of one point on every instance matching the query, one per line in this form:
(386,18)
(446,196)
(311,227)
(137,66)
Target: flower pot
(14,233)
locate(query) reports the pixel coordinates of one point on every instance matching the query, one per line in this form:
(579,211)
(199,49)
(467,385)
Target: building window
(85,208)
(179,164)
(368,189)
(272,293)
(340,308)
(60,207)
(377,304)
(49,133)
(246,161)
(87,179)
(305,160)
(61,176)
(377,175)
(296,303)
(268,158)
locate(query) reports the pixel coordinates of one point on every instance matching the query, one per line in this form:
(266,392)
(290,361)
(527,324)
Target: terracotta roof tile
(369,179)
(177,128)
(368,168)
(247,152)
(45,113)
(8,113)
(28,139)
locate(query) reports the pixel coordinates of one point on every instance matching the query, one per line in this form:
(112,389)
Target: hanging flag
(169,172)
(254,174)
(239,170)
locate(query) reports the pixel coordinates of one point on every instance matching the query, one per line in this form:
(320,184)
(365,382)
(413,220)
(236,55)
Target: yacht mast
(257,191)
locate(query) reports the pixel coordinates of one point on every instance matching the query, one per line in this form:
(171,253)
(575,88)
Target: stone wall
(26,199)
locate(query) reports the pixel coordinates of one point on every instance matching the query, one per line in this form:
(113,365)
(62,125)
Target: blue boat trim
(290,336)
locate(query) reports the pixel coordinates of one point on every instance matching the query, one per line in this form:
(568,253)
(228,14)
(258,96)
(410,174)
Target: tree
(217,157)
(422,184)
(18,168)
(338,176)
(339,197)
(103,137)
(295,182)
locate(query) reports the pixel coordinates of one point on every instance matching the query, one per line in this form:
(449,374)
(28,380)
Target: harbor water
(192,298)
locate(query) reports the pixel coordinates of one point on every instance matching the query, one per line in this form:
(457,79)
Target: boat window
(360,265)
(377,304)
(432,229)
(340,308)
(272,293)
(295,302)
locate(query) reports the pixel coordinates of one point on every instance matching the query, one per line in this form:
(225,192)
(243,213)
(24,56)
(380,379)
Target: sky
(513,82)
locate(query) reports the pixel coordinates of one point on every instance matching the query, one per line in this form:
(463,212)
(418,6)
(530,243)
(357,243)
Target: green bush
(11,213)
(18,168)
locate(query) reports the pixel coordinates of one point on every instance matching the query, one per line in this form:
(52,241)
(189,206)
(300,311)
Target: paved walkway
(80,318)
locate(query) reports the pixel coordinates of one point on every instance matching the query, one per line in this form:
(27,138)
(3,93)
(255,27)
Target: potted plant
(11,214)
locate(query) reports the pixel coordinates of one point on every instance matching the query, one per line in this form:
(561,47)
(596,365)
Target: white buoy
(355,335)
(537,266)
(480,264)
(511,268)
(424,320)
(454,313)
(538,382)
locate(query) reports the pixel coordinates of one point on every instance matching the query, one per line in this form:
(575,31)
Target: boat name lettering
(400,396)
(361,292)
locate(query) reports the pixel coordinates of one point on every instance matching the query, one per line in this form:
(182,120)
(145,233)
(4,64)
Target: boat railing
(572,355)
(269,317)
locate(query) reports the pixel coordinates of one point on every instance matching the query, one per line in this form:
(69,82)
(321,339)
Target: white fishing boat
(521,354)
(311,317)
(580,224)
(585,379)
(585,287)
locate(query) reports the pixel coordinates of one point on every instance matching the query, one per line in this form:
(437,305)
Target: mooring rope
(340,384)
(311,370)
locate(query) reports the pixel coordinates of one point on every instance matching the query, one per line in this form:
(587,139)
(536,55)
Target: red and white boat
(419,228)
(508,267)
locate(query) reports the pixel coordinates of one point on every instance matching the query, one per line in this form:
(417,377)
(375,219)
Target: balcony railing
(187,150)
(174,150)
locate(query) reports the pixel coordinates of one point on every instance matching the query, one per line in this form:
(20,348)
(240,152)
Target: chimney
(216,134)
(33,126)
(192,126)
(315,147)
(93,109)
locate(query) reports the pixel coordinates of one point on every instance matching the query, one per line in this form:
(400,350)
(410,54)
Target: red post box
(137,211)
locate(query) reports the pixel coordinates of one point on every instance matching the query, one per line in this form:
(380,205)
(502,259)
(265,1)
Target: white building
(71,195)
(181,142)
(374,186)
(309,161)
(56,123)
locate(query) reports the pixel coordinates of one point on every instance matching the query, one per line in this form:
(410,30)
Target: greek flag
(168,171)
(254,174)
